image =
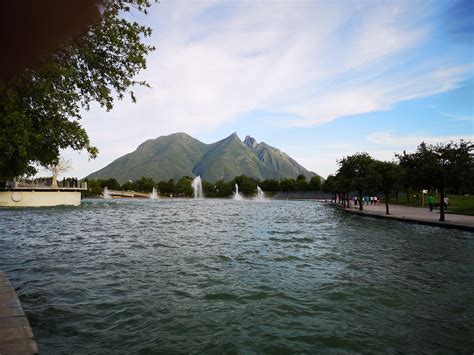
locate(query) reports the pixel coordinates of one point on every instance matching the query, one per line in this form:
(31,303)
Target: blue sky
(317,79)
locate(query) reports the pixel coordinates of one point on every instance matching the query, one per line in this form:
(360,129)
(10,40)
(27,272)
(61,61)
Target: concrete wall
(302,195)
(39,198)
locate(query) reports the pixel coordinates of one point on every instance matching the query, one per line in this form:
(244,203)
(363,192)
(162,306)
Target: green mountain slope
(275,161)
(163,158)
(227,159)
(177,155)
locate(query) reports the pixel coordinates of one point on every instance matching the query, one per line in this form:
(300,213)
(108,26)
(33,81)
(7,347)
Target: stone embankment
(16,336)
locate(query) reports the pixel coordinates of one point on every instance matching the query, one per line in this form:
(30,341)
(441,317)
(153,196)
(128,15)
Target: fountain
(197,187)
(260,194)
(106,194)
(154,195)
(237,195)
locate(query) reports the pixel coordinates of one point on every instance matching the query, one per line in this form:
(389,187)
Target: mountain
(163,158)
(178,155)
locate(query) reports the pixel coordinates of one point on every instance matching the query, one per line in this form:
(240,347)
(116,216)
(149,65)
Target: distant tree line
(183,188)
(443,168)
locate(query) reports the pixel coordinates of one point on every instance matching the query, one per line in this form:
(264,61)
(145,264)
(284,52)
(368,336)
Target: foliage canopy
(40,111)
(433,167)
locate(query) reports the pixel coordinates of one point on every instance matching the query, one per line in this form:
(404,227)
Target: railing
(46,184)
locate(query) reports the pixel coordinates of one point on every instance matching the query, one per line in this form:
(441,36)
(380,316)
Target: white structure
(32,194)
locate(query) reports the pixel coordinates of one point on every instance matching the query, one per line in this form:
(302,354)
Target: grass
(457,204)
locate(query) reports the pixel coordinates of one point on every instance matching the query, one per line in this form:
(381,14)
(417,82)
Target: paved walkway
(16,336)
(417,214)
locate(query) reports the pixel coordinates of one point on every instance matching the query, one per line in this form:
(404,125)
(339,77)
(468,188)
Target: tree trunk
(441,205)
(396,196)
(386,203)
(54,182)
(361,202)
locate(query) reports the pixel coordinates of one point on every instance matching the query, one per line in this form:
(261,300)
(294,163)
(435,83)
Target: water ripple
(214,276)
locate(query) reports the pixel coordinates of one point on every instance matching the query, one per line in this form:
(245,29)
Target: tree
(389,177)
(167,187)
(224,189)
(441,166)
(356,171)
(247,185)
(129,186)
(184,187)
(301,183)
(270,185)
(329,186)
(40,110)
(414,174)
(144,184)
(343,186)
(93,187)
(288,184)
(111,184)
(315,183)
(61,166)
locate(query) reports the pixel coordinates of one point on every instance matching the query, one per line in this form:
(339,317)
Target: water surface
(223,276)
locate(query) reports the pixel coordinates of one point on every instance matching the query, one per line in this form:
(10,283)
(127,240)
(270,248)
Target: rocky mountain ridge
(179,154)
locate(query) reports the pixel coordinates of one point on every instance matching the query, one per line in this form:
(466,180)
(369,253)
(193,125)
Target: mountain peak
(232,137)
(179,135)
(250,142)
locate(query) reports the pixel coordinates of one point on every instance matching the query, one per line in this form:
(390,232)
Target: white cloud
(314,61)
(381,145)
(410,142)
(460,117)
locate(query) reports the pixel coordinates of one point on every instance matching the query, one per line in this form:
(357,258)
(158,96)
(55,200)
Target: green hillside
(163,158)
(275,160)
(177,155)
(227,159)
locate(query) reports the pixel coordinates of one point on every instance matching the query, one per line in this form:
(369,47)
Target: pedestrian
(355,201)
(371,200)
(446,202)
(431,202)
(375,200)
(366,198)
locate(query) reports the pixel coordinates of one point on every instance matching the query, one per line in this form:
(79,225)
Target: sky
(319,80)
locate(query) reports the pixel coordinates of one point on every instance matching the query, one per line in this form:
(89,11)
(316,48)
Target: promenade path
(416,214)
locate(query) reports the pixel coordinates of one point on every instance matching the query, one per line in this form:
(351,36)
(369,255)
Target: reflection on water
(228,276)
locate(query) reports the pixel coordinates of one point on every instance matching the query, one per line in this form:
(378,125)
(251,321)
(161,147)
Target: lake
(224,276)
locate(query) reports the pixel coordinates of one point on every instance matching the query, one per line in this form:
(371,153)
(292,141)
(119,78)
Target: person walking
(446,202)
(431,202)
